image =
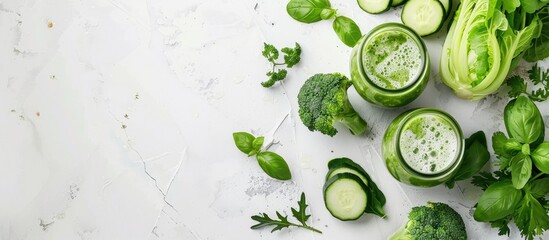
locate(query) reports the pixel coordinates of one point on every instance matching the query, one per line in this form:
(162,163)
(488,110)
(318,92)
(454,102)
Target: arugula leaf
(531,217)
(282,222)
(300,215)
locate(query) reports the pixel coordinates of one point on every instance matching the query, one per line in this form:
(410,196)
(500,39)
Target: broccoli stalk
(323,101)
(436,221)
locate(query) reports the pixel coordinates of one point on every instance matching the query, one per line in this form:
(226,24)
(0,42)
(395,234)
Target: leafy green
(310,11)
(540,46)
(523,120)
(540,80)
(292,56)
(485,41)
(347,30)
(475,157)
(272,164)
(521,170)
(531,217)
(539,187)
(498,201)
(540,156)
(282,222)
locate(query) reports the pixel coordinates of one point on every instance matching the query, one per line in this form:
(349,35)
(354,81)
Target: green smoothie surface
(392,59)
(429,143)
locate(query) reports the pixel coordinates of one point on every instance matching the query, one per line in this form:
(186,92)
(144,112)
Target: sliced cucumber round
(447,4)
(375,6)
(425,17)
(397,3)
(345,196)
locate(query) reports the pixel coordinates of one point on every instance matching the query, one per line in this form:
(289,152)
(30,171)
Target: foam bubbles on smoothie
(392,60)
(428,144)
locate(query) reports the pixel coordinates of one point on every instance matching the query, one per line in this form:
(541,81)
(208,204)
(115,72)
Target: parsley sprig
(291,58)
(540,80)
(282,221)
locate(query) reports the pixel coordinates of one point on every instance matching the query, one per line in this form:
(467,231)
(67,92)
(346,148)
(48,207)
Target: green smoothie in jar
(423,147)
(390,66)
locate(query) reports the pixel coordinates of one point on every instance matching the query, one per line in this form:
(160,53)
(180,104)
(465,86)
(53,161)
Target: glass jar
(423,147)
(390,65)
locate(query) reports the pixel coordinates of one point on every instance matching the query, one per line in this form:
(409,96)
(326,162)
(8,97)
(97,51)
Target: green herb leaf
(243,141)
(300,215)
(258,143)
(523,120)
(540,46)
(518,86)
(274,165)
(347,30)
(270,52)
(282,221)
(505,147)
(531,6)
(292,56)
(521,170)
(539,187)
(327,13)
(307,11)
(475,157)
(531,217)
(540,157)
(502,225)
(274,77)
(484,180)
(511,5)
(498,201)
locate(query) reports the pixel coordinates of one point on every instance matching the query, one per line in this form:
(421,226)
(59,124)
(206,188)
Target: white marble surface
(117,118)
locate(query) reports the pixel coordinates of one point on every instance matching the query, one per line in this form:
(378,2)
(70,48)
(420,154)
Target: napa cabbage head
(484,42)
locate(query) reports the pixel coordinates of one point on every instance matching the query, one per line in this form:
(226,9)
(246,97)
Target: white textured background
(181,76)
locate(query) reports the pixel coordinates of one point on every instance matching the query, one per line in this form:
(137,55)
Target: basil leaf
(243,141)
(274,165)
(327,13)
(498,201)
(521,170)
(539,187)
(503,146)
(523,120)
(541,157)
(347,30)
(307,11)
(258,143)
(475,157)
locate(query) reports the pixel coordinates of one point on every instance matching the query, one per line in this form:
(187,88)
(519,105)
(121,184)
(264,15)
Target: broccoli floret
(323,100)
(434,221)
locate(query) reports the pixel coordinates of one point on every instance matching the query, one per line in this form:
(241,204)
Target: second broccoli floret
(323,100)
(434,221)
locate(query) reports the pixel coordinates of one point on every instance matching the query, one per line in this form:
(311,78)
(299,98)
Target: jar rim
(456,162)
(392,26)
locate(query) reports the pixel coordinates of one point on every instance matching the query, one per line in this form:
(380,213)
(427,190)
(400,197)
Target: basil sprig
(311,11)
(272,164)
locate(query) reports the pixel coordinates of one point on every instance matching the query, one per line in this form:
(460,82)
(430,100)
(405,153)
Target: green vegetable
(485,41)
(272,164)
(517,191)
(291,57)
(282,221)
(539,78)
(323,101)
(310,11)
(347,30)
(474,158)
(540,46)
(432,221)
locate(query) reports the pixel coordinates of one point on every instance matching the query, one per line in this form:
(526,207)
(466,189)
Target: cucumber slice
(397,3)
(375,6)
(347,165)
(447,4)
(346,196)
(425,17)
